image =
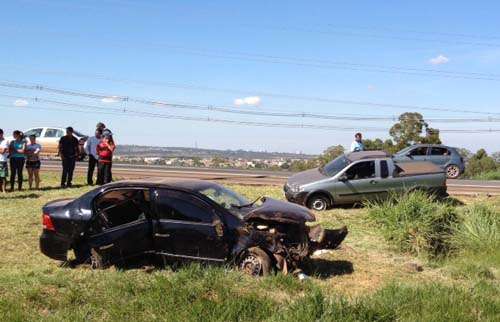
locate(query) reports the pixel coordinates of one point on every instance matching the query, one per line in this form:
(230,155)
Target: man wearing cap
(68,151)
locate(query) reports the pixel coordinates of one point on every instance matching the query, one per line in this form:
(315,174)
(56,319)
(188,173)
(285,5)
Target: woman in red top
(105,151)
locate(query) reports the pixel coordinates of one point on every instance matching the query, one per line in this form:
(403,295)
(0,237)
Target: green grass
(365,280)
(415,222)
(490,175)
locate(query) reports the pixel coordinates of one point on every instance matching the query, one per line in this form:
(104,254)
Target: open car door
(122,225)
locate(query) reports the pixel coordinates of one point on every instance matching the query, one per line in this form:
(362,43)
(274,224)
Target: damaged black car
(177,220)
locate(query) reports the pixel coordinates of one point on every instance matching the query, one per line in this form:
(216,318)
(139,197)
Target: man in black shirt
(68,150)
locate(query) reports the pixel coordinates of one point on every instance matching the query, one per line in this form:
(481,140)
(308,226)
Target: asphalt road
(252,177)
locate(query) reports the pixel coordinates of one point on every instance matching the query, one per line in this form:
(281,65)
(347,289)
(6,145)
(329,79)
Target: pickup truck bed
(416,168)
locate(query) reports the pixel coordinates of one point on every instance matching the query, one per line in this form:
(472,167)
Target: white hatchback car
(48,138)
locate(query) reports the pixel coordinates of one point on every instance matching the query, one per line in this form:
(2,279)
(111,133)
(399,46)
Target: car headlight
(295,188)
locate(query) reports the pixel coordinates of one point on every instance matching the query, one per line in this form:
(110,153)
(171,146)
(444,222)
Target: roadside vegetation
(372,277)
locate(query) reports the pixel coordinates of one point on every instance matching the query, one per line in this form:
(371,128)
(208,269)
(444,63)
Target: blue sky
(153,49)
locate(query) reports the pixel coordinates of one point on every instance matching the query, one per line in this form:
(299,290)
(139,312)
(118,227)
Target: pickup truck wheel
(318,203)
(255,262)
(452,171)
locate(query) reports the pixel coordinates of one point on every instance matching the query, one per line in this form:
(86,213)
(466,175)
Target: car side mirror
(409,155)
(343,178)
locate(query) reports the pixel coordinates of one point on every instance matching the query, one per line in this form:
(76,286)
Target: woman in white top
(33,162)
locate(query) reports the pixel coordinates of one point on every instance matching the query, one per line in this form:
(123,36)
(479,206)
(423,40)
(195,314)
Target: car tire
(255,262)
(318,202)
(452,171)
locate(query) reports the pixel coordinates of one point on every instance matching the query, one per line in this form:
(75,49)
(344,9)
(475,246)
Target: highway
(252,177)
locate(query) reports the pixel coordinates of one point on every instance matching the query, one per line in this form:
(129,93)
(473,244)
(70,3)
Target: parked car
(182,220)
(360,176)
(446,157)
(49,138)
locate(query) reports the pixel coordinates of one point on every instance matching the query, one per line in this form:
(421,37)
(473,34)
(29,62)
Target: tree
(409,129)
(330,154)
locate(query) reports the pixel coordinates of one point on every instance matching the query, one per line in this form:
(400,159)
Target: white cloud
(371,87)
(20,102)
(439,60)
(110,99)
(250,101)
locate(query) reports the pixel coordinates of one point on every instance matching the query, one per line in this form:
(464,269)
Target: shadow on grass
(452,201)
(24,196)
(322,268)
(59,188)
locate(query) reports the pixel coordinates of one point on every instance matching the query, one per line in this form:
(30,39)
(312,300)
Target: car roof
(185,184)
(354,156)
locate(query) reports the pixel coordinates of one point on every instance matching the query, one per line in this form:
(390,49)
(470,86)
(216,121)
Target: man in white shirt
(91,150)
(4,169)
(357,145)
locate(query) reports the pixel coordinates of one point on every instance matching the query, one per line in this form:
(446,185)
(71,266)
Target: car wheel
(318,203)
(452,171)
(255,262)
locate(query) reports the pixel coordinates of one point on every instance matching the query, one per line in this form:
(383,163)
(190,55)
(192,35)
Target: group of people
(20,153)
(100,149)
(15,154)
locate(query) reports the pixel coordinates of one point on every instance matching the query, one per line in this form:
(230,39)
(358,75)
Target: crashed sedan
(178,220)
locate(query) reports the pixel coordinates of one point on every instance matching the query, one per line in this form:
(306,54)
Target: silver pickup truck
(360,176)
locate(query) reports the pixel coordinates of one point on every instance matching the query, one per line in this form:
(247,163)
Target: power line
(305,62)
(10,84)
(210,108)
(371,34)
(246,123)
(115,111)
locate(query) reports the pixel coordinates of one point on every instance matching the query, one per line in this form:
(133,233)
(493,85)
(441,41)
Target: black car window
(119,207)
(384,170)
(419,151)
(439,151)
(182,206)
(361,170)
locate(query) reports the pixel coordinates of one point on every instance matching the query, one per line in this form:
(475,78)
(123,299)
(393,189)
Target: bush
(415,222)
(480,163)
(478,230)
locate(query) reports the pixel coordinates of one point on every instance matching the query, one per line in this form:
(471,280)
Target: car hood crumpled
(279,211)
(306,177)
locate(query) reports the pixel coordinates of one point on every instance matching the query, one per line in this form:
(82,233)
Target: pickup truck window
(384,169)
(361,170)
(335,166)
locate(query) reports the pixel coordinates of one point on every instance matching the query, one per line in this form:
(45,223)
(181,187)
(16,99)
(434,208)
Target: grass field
(368,279)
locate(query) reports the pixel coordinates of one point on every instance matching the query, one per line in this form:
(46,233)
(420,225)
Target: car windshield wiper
(246,205)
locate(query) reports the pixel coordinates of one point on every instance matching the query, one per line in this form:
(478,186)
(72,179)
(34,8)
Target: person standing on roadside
(91,150)
(4,168)
(68,151)
(33,162)
(17,155)
(357,145)
(105,151)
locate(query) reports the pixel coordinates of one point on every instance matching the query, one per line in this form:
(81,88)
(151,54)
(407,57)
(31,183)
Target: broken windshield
(224,197)
(333,167)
